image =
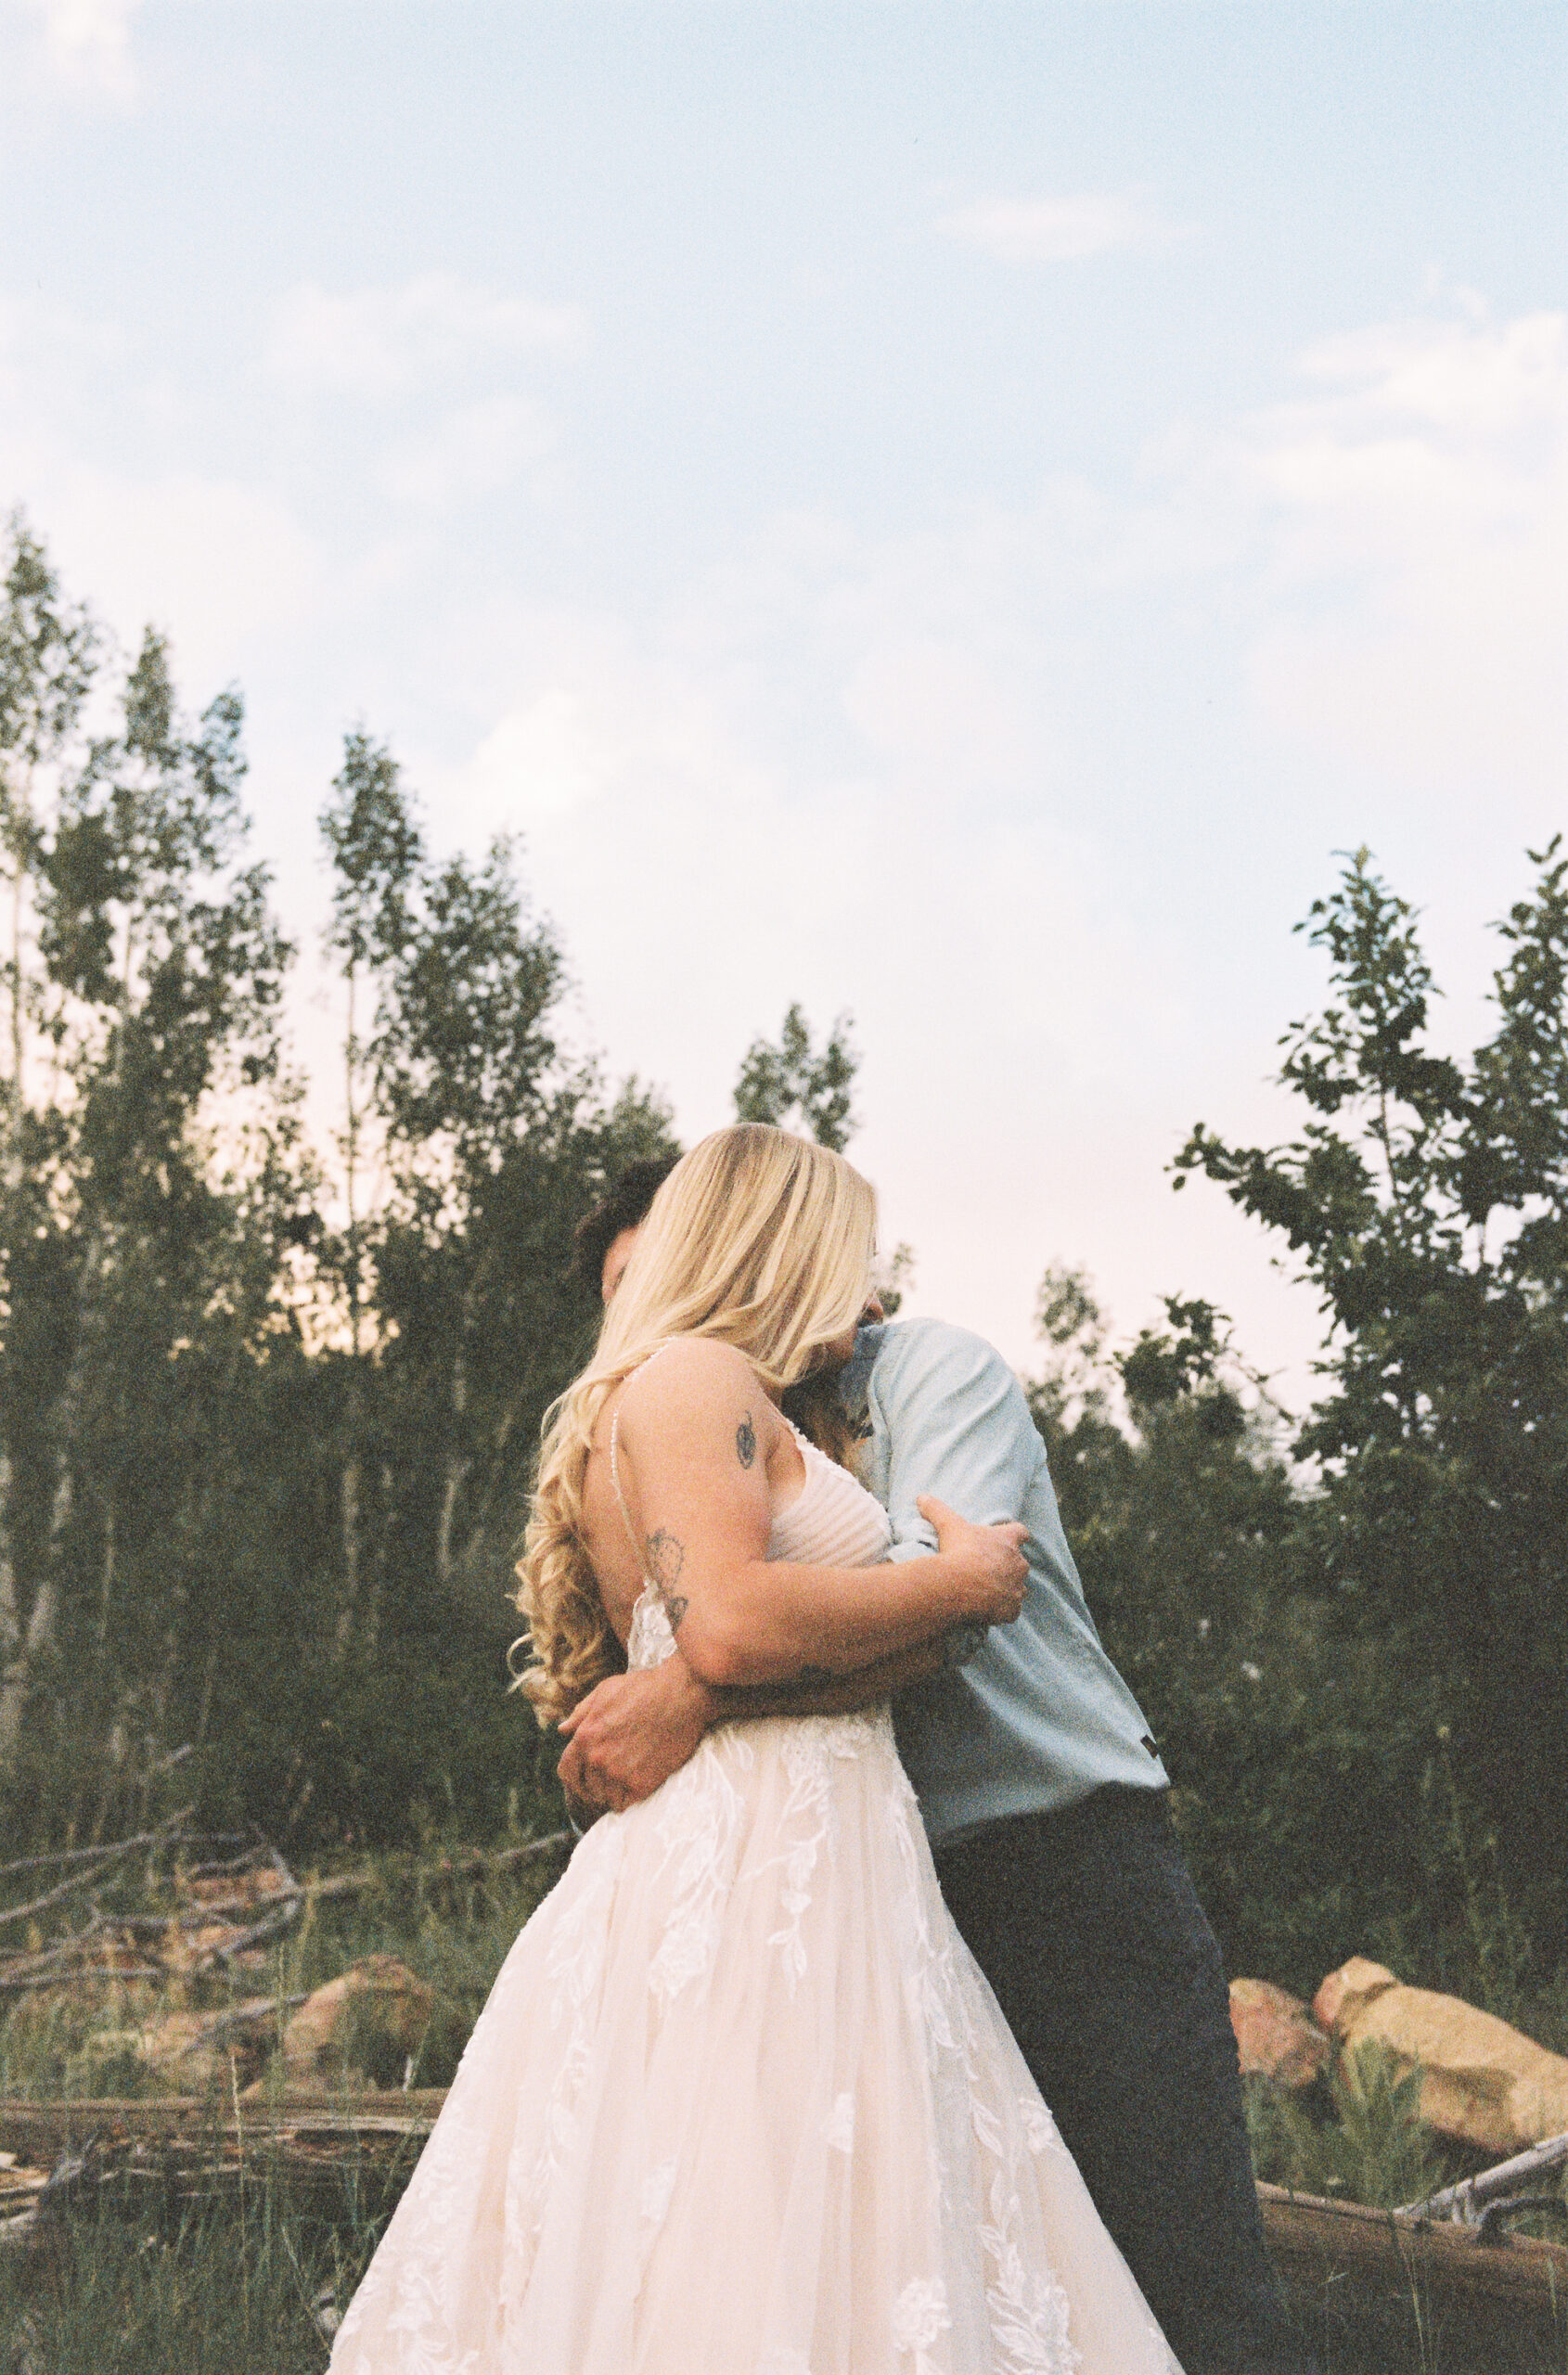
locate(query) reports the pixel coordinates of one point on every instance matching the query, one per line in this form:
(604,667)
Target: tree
(376,851)
(792,1078)
(1201,1562)
(1426,1201)
(131,1246)
(488,1140)
(47,653)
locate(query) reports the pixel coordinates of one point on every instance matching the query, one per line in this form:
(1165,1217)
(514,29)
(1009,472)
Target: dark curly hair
(623,1206)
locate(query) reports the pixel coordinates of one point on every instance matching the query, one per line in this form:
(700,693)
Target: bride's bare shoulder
(693,1380)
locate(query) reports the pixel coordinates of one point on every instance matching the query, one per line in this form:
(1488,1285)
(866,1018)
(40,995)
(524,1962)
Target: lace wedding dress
(740,2102)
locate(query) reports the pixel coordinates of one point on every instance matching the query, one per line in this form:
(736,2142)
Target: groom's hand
(631,1732)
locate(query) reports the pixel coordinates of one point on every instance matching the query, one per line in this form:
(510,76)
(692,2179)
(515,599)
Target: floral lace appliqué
(919,2317)
(838,2128)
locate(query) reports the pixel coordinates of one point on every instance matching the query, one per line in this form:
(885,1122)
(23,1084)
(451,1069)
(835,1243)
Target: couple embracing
(745,2099)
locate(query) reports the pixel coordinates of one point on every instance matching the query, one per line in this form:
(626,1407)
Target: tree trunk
(106,1579)
(370,1622)
(18,1685)
(348,1507)
(458,1461)
(13,1681)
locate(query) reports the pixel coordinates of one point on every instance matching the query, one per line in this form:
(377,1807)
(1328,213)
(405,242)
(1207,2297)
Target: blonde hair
(757,1238)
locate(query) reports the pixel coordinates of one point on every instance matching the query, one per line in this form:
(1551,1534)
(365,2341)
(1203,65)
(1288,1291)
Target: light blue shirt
(1038,1717)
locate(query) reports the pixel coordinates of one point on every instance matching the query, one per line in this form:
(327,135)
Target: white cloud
(1414,508)
(212,561)
(210,556)
(828,774)
(387,341)
(1061,230)
(552,753)
(86,44)
(476,450)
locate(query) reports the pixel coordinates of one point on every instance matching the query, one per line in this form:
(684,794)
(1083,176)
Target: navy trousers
(1088,1926)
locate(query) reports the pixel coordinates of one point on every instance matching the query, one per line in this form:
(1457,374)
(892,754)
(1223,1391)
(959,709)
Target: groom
(1043,1798)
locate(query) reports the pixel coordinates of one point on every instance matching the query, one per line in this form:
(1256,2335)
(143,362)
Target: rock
(1483,2083)
(194,2051)
(255,1889)
(188,1950)
(182,2050)
(360,2028)
(1354,1983)
(1275,2033)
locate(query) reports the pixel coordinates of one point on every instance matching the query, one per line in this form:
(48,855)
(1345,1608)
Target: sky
(952,514)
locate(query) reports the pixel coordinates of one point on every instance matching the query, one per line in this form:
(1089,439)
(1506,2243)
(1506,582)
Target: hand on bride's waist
(631,1732)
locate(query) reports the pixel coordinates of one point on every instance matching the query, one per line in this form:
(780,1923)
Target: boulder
(183,2050)
(360,2028)
(1483,2083)
(194,2051)
(189,1950)
(1275,2035)
(1346,1990)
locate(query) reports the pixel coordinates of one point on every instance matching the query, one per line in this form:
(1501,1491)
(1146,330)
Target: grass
(217,2291)
(1366,2143)
(211,2287)
(208,2287)
(1360,2138)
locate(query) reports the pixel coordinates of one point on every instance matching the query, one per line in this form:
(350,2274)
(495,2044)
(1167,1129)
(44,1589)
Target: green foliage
(1310,1783)
(793,1083)
(1426,1200)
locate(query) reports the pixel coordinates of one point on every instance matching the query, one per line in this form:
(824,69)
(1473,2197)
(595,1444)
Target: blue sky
(952,512)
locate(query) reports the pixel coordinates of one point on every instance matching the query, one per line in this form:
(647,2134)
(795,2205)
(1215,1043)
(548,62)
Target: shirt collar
(855,1377)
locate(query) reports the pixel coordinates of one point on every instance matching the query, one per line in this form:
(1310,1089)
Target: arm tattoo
(666,1557)
(746,1441)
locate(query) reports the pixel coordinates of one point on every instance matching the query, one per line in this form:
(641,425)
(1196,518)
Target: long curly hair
(759,1238)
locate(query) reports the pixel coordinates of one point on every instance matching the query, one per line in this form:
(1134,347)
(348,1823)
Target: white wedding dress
(740,2102)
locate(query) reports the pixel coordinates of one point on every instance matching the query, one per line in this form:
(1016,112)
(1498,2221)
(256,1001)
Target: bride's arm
(698,1492)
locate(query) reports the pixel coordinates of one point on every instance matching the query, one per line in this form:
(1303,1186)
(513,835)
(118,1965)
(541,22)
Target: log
(1497,2303)
(1472,2304)
(60,1964)
(149,2154)
(39,2131)
(93,1869)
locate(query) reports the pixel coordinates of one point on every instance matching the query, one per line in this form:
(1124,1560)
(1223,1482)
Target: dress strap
(614,1448)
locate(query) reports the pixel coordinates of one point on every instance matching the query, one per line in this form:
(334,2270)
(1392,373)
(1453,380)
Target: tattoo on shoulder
(666,1557)
(746,1441)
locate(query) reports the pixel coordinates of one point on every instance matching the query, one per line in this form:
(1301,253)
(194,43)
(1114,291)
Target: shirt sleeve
(959,1427)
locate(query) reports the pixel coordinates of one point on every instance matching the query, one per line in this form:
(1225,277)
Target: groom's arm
(958,1426)
(631,1731)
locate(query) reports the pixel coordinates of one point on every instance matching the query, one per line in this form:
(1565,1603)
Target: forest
(268,1399)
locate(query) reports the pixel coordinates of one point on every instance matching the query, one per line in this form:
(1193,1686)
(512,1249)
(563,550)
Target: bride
(740,2102)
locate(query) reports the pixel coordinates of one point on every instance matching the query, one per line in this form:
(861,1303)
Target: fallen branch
(71,1956)
(103,1857)
(1464,2202)
(474,1859)
(144,1839)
